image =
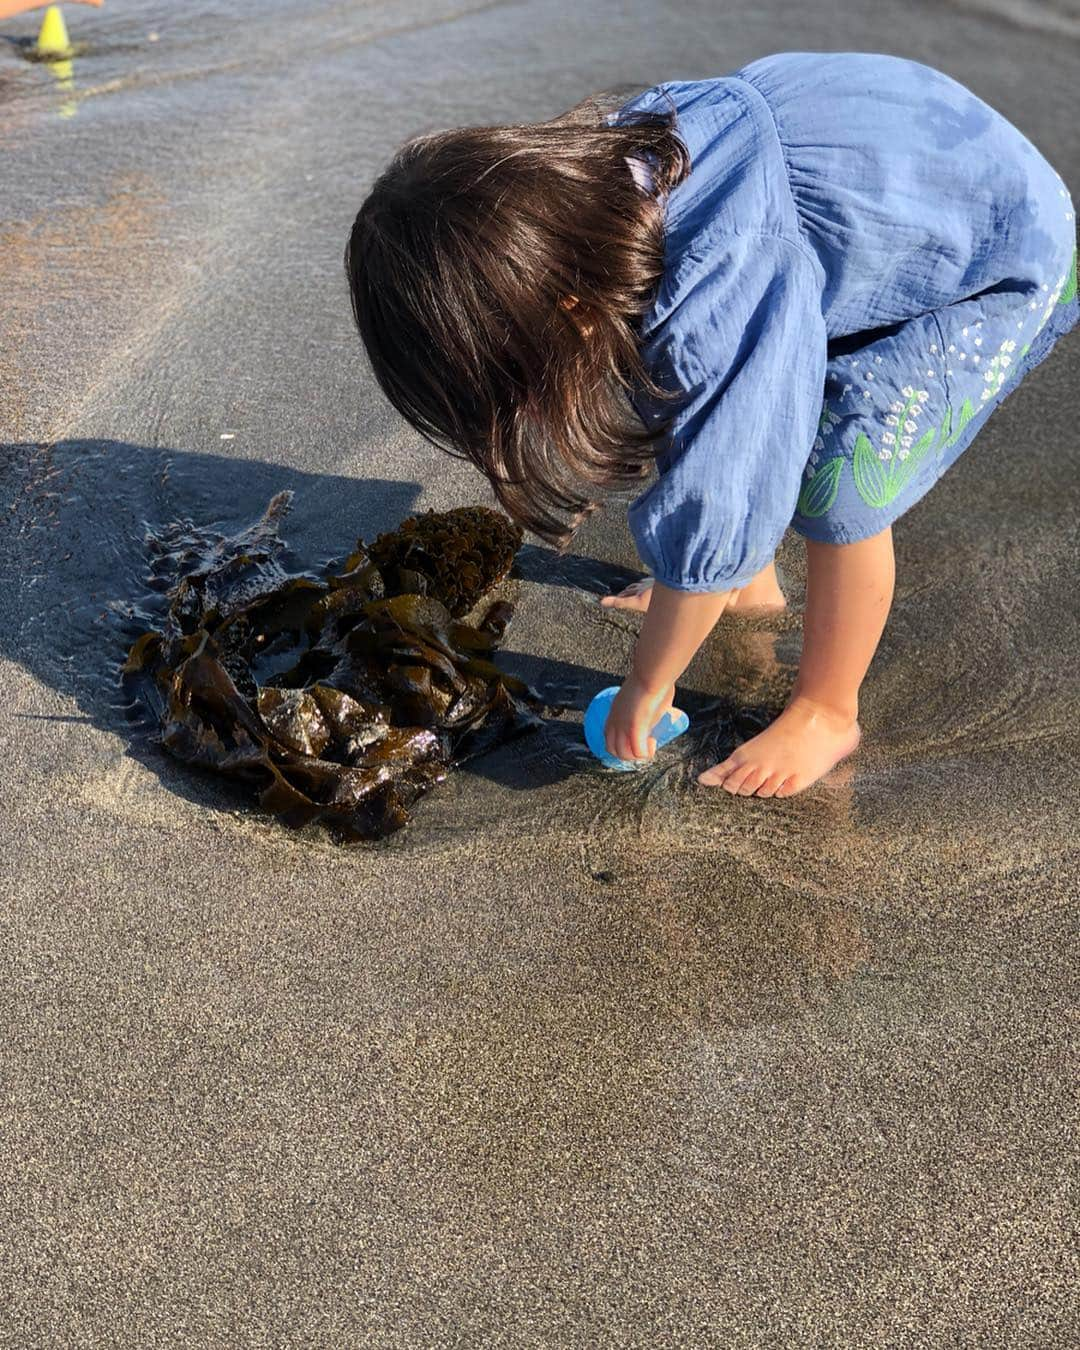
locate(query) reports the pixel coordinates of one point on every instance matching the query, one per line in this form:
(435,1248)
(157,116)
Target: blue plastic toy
(672,724)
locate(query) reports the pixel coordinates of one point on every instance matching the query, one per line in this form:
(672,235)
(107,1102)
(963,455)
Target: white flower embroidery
(888,437)
(903,454)
(923,396)
(907,391)
(884,454)
(891,420)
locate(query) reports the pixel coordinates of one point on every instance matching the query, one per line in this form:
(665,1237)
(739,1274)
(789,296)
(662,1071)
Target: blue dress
(863,261)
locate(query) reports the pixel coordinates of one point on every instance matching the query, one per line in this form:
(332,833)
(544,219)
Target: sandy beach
(575,1059)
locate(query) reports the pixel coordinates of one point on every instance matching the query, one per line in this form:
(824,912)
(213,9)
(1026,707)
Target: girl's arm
(748,343)
(676,624)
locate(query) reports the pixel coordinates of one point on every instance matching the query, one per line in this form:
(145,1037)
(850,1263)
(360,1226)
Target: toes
(752,781)
(633,596)
(734,781)
(743,778)
(623,601)
(715,776)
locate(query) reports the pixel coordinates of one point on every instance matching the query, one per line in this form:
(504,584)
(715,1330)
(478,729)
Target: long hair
(498,275)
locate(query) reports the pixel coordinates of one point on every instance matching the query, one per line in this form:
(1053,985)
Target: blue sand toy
(672,724)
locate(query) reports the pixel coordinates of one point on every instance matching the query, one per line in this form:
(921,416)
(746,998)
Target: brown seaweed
(339,699)
(454,556)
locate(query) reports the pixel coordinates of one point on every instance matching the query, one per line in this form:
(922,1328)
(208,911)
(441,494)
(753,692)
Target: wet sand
(575,1059)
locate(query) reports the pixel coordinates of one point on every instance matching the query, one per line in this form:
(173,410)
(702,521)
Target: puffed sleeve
(745,340)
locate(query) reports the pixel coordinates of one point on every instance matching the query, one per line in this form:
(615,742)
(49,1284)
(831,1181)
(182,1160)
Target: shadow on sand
(79,590)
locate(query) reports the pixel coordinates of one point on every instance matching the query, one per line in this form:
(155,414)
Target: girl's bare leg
(849,589)
(763,592)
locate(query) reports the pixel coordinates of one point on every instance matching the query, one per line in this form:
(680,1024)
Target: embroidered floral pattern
(881,474)
(994,374)
(820,489)
(878,480)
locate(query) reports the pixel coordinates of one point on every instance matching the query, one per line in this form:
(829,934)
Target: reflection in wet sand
(59,266)
(63,72)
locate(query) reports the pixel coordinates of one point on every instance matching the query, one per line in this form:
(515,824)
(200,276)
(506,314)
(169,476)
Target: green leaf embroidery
(869,472)
(878,481)
(943,434)
(902,471)
(967,412)
(1069,289)
(878,485)
(819,492)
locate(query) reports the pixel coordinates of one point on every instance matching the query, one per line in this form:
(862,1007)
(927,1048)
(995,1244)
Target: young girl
(815,278)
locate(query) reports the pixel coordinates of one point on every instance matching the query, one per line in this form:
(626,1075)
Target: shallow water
(576,1058)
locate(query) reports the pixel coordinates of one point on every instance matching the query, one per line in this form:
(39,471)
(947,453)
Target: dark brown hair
(462,266)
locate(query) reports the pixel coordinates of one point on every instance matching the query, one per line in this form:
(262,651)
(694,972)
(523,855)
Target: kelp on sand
(341,699)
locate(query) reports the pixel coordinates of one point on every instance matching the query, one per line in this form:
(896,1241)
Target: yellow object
(63,72)
(53,40)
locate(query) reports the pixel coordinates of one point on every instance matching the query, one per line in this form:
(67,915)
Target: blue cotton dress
(863,261)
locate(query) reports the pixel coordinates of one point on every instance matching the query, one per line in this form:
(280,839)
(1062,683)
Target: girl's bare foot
(634,596)
(804,743)
(761,594)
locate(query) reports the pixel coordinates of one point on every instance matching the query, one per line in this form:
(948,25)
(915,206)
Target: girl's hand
(635,710)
